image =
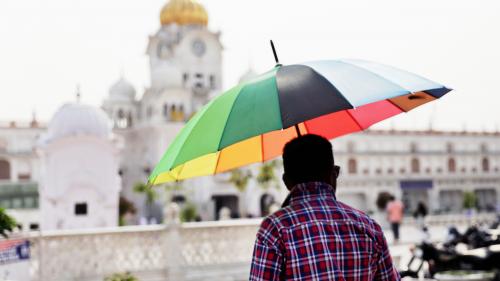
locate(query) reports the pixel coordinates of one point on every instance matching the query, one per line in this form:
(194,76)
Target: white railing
(219,250)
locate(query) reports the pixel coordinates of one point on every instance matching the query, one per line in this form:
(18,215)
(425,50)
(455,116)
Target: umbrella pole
(274,53)
(298,130)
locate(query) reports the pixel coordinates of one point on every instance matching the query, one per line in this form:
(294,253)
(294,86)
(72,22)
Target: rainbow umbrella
(254,120)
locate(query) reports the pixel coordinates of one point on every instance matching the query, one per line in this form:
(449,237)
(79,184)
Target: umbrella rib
(228,117)
(354,119)
(393,103)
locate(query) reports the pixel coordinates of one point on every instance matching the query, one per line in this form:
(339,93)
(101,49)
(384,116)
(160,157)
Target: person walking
(314,236)
(395,216)
(420,213)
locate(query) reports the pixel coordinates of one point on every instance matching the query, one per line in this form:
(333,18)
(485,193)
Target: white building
(79,186)
(185,65)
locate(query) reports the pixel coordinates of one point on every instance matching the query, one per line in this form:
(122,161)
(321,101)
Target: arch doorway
(266,200)
(4,170)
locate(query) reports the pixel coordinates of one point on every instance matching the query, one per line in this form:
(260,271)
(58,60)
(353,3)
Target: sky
(47,47)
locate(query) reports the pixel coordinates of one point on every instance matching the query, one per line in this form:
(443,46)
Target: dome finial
(183,12)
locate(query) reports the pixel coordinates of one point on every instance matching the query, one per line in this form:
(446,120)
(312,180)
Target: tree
(240,178)
(188,213)
(7,223)
(266,173)
(125,207)
(470,200)
(121,277)
(149,193)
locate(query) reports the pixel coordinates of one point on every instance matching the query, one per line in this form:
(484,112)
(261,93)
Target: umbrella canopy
(254,120)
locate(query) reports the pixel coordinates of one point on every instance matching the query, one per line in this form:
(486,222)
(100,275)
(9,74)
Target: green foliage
(173,186)
(121,277)
(469,200)
(240,178)
(267,173)
(125,207)
(188,213)
(7,223)
(382,199)
(148,191)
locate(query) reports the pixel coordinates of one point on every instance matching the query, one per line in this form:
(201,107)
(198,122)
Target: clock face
(198,47)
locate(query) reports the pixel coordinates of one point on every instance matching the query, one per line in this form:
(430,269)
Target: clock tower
(185,63)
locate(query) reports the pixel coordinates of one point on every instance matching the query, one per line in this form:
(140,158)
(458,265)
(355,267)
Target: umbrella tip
(274,52)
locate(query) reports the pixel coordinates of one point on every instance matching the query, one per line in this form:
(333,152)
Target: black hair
(308,158)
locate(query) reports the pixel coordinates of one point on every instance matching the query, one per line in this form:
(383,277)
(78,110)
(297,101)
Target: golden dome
(183,12)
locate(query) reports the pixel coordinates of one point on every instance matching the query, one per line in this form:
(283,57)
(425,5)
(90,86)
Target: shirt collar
(310,190)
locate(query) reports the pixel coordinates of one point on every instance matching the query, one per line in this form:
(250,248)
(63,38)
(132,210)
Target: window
(81,209)
(484,148)
(350,147)
(185,78)
(390,171)
(485,165)
(352,166)
(3,145)
(413,147)
(24,176)
(415,165)
(34,226)
(199,75)
(212,81)
(17,203)
(165,110)
(452,165)
(129,119)
(4,170)
(29,203)
(449,147)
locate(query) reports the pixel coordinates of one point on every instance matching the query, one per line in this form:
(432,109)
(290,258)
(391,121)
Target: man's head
(309,158)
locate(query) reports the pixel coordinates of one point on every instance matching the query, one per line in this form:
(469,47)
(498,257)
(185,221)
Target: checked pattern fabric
(317,237)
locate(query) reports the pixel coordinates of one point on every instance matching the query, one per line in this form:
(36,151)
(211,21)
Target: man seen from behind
(314,236)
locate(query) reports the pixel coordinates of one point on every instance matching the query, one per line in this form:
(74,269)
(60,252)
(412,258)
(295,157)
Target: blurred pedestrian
(395,216)
(419,214)
(314,236)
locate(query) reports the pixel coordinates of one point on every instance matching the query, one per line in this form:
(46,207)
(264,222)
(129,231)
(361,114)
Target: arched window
(266,201)
(3,145)
(352,166)
(413,147)
(484,148)
(121,114)
(449,147)
(165,110)
(121,121)
(4,170)
(415,166)
(129,119)
(350,146)
(485,164)
(452,165)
